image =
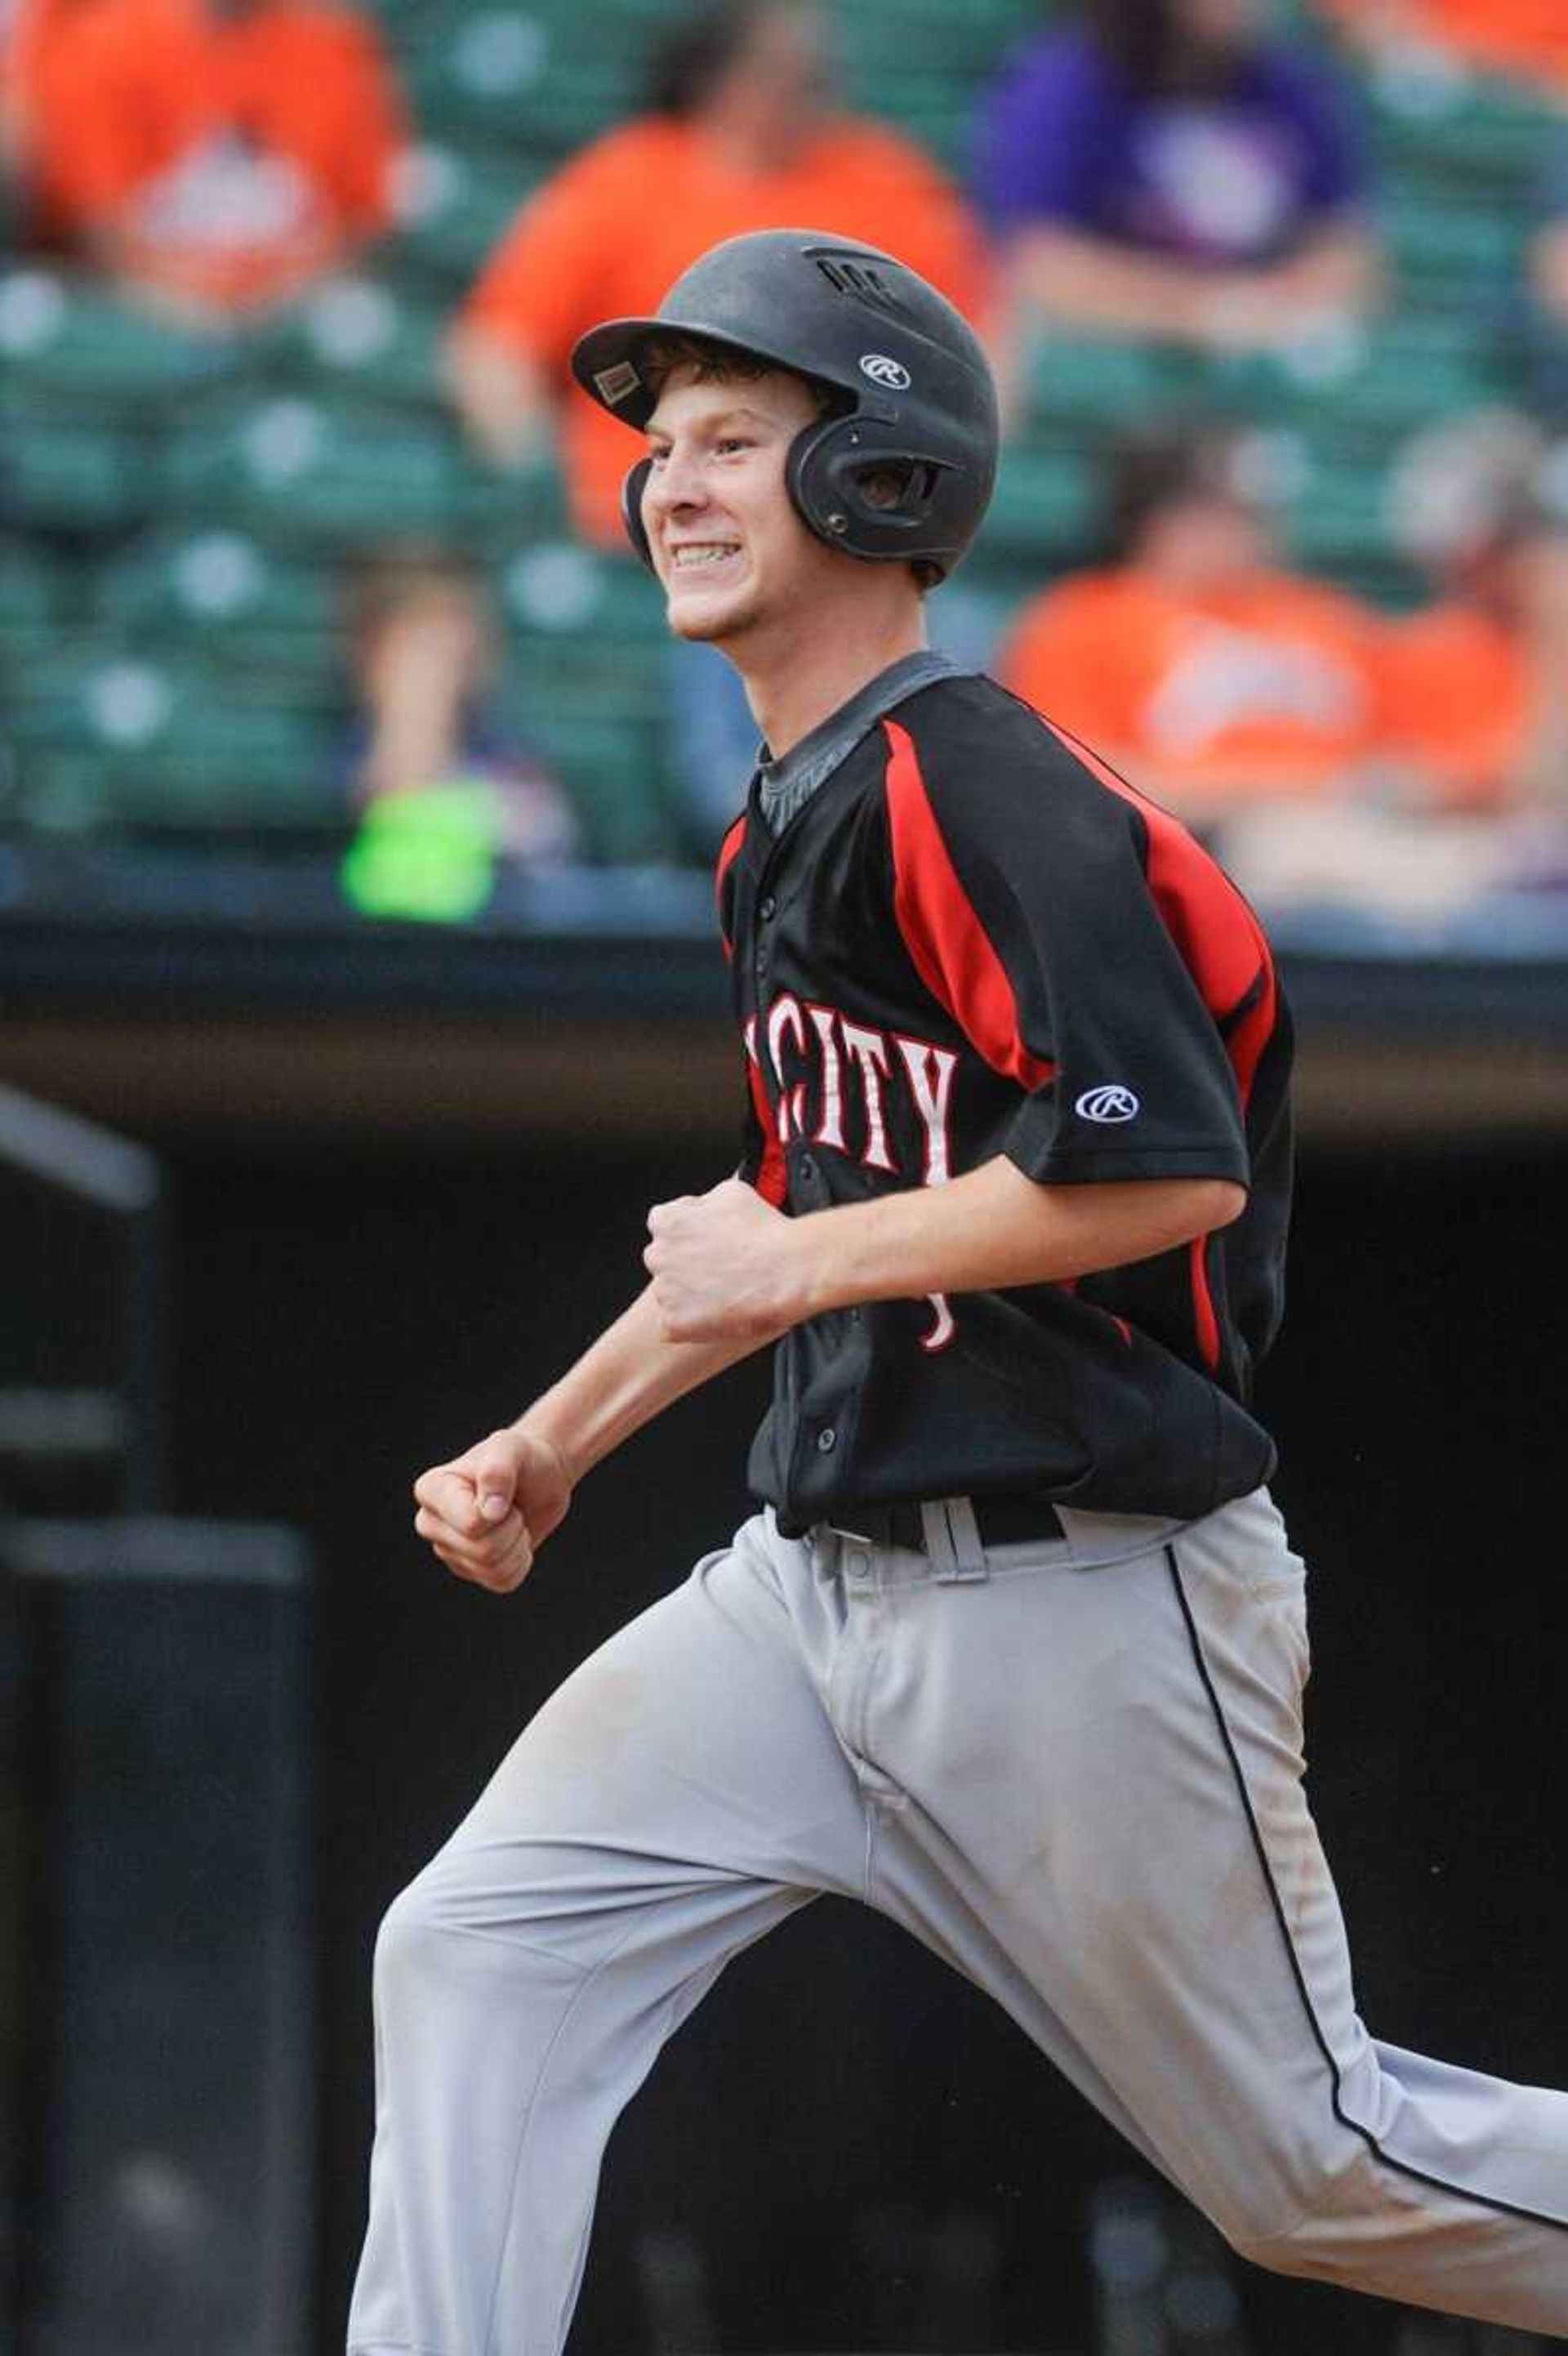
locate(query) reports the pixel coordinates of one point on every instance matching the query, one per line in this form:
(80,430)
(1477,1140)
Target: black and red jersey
(974,939)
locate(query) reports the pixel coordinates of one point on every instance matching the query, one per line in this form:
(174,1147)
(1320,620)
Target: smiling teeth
(709,554)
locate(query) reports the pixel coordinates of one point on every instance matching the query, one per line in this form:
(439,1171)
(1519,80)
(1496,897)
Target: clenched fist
(723,1266)
(488,1511)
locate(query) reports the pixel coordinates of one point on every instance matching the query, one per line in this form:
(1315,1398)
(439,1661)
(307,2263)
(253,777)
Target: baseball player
(1013,1648)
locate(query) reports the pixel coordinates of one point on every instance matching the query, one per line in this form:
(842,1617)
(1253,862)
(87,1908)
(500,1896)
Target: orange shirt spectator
(620,222)
(1197,663)
(218,155)
(1459,703)
(1476,685)
(1260,688)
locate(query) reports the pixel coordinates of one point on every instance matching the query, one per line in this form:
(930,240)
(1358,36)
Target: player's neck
(798,678)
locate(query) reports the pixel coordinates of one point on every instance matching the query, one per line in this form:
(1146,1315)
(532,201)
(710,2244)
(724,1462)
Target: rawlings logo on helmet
(883,371)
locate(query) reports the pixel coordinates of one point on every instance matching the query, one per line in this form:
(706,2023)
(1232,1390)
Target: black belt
(999,1521)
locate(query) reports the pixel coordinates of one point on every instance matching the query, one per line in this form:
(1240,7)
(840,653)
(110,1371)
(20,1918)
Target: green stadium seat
(1437,126)
(359,337)
(1404,381)
(559,591)
(108,736)
(930,36)
(455,204)
(224,596)
(1043,511)
(336,476)
(1080,386)
(522,75)
(36,588)
(61,337)
(1446,253)
(584,679)
(69,470)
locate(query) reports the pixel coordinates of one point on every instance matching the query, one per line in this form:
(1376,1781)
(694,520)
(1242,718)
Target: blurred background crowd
(307,545)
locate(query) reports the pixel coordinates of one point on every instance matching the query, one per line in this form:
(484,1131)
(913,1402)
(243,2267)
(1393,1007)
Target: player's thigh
(1127,1860)
(693,1737)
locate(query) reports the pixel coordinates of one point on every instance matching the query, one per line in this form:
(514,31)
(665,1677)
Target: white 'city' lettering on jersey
(930,1071)
(944,1325)
(783,1015)
(869,1050)
(848,1077)
(830,1128)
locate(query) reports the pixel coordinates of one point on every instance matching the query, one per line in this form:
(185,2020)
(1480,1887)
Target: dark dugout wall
(846,2149)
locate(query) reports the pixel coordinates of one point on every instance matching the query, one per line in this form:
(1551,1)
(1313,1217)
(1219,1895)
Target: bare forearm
(1097,283)
(1338,270)
(995,1228)
(725,1265)
(1094,283)
(630,1375)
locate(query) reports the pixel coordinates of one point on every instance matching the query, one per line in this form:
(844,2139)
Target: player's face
(726,544)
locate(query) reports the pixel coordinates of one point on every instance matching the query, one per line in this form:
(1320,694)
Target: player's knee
(410,1945)
(1340,2210)
(427,1945)
(446,1931)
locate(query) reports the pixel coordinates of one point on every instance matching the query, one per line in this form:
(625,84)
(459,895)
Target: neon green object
(428,855)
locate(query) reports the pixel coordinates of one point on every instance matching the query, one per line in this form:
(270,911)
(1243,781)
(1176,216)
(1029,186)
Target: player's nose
(676,486)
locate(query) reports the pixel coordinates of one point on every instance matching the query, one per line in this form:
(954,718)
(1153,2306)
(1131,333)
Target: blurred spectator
(1476,685)
(1193,661)
(1167,168)
(444,788)
(1525,37)
(740,133)
(213,154)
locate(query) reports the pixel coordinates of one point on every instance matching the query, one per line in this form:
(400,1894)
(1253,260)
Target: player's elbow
(1219,1203)
(1183,1210)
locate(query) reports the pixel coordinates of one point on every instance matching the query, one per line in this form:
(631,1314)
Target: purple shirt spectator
(1233,177)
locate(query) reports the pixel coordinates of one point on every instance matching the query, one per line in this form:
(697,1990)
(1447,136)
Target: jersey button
(826,1440)
(807,1166)
(767,907)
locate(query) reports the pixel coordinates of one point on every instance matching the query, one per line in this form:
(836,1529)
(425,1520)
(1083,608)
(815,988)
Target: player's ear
(632,491)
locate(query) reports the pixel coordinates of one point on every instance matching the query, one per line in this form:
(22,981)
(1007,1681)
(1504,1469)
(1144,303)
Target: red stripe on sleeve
(1219,941)
(952,951)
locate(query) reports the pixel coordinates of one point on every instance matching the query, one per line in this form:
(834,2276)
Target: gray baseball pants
(1074,1769)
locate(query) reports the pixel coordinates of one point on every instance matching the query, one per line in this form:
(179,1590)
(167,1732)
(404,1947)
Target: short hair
(718,363)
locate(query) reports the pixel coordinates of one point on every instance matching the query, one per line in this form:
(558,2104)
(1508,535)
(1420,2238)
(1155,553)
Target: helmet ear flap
(807,474)
(631,491)
(827,474)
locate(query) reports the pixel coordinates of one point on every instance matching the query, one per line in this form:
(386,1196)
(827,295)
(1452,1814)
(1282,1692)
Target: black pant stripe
(1400,2166)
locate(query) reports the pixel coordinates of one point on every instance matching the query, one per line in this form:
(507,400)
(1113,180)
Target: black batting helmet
(918,402)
